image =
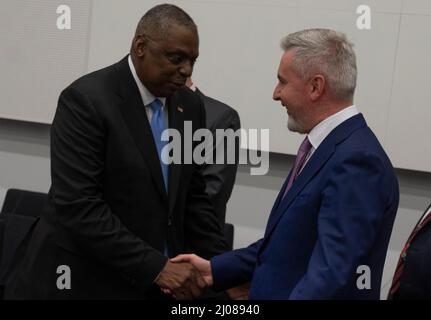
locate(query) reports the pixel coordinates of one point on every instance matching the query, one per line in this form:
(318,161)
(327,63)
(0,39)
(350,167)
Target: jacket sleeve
(351,216)
(235,267)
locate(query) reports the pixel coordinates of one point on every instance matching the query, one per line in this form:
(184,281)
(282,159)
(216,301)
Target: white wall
(24,163)
(37,60)
(238,62)
(239,57)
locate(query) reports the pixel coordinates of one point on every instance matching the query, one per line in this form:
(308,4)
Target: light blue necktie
(157,127)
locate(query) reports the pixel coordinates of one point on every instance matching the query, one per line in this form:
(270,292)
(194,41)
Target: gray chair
(229,231)
(20,211)
(23,202)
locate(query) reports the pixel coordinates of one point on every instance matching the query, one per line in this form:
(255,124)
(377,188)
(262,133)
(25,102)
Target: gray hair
(157,21)
(327,52)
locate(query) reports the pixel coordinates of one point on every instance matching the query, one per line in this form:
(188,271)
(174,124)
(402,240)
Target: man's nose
(186,69)
(276,94)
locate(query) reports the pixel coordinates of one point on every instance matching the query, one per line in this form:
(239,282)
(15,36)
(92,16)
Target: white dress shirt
(324,128)
(147,96)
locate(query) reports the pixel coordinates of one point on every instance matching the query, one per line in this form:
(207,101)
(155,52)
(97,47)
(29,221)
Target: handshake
(186,276)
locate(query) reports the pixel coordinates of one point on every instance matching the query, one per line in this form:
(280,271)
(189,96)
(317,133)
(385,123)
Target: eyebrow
(181,53)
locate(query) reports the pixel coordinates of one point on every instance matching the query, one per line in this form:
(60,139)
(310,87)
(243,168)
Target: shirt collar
(147,96)
(193,87)
(324,128)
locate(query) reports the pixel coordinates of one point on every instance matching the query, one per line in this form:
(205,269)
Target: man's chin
(292,125)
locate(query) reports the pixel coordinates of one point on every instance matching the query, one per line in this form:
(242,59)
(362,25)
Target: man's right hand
(182,279)
(204,266)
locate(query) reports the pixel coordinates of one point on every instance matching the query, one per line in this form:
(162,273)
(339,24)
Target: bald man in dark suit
(219,178)
(116,210)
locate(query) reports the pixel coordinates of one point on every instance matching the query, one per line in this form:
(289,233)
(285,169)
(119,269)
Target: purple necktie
(303,151)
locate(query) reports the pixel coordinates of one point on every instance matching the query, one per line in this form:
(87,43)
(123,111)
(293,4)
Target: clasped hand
(185,277)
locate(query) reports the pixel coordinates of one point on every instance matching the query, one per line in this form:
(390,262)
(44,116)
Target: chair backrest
(23,202)
(15,233)
(2,226)
(229,233)
(19,213)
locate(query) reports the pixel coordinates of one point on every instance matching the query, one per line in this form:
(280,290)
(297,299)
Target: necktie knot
(305,146)
(156,105)
(303,151)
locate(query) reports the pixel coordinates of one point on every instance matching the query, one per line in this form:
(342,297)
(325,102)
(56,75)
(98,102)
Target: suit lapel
(176,121)
(311,169)
(133,111)
(316,162)
(280,195)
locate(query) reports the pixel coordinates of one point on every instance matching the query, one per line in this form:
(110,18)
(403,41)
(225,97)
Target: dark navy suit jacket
(337,216)
(415,281)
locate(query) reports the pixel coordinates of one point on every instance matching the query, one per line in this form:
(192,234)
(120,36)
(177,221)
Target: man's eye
(176,59)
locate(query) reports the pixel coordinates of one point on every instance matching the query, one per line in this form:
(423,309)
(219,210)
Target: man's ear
(317,86)
(140,46)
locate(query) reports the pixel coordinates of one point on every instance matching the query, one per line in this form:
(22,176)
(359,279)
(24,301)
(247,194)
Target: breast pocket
(301,199)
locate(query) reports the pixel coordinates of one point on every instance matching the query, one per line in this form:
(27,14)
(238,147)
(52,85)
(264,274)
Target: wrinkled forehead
(181,38)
